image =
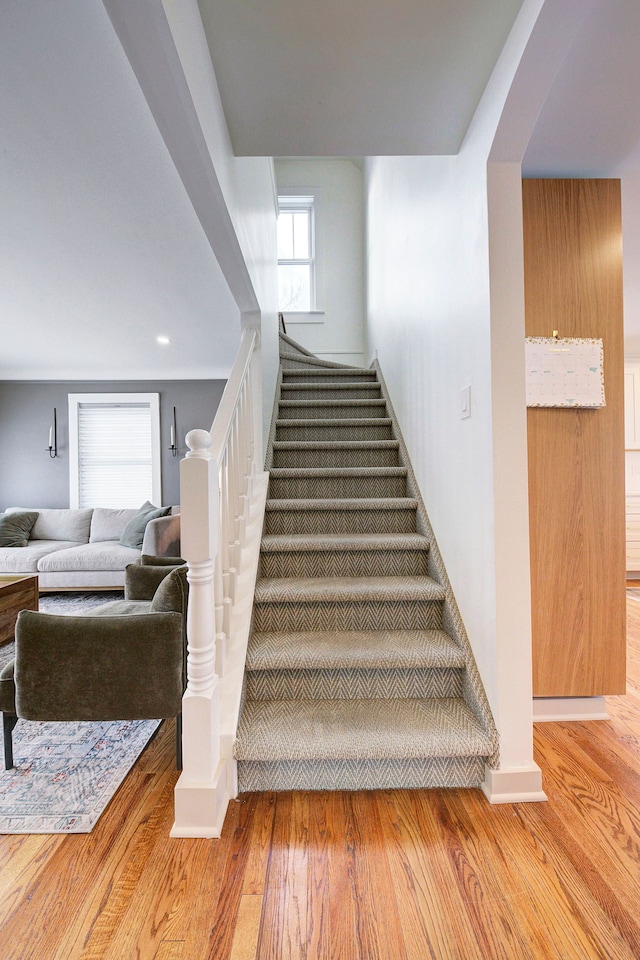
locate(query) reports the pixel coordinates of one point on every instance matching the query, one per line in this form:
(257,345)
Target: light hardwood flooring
(389,874)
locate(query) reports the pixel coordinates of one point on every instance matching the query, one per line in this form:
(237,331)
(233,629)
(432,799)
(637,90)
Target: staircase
(359,674)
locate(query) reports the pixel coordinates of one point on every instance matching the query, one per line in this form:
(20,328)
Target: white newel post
(200,797)
(217,481)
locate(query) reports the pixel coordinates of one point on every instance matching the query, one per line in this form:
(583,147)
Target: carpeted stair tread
(314,590)
(288,375)
(312,473)
(321,387)
(365,503)
(357,428)
(329,404)
(336,445)
(326,542)
(319,422)
(307,730)
(340,402)
(353,649)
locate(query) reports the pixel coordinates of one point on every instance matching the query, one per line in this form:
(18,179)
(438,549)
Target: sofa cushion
(59,524)
(133,533)
(108,524)
(15,528)
(26,559)
(109,555)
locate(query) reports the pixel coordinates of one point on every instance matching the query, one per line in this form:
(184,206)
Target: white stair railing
(216,482)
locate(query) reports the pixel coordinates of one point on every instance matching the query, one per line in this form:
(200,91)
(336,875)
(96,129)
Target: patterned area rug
(69,602)
(66,773)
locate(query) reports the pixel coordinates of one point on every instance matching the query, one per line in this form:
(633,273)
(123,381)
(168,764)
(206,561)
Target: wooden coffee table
(16,593)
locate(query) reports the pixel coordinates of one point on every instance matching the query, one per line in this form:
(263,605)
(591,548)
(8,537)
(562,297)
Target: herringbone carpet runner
(359,674)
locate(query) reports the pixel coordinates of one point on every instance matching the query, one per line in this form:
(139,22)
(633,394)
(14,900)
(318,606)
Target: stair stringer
(268,456)
(473,688)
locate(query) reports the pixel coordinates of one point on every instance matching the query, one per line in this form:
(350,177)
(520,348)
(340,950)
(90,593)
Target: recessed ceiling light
(163,340)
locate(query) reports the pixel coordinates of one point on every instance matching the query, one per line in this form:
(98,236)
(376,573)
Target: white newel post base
(202,792)
(514,785)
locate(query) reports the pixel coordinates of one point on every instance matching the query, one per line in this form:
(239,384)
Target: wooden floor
(388,874)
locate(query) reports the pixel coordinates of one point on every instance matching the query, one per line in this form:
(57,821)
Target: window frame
(289,201)
(75,400)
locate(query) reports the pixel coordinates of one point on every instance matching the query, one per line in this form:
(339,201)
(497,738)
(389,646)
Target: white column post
(200,796)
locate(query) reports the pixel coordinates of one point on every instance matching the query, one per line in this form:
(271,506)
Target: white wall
(336,331)
(441,319)
(429,321)
(255,218)
(248,187)
(446,310)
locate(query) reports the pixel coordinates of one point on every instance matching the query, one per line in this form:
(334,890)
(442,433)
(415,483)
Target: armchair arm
(162,536)
(99,668)
(141,581)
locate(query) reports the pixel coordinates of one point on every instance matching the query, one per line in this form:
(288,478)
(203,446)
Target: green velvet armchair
(124,660)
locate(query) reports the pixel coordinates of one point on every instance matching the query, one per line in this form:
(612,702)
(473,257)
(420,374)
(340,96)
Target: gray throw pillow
(133,533)
(15,528)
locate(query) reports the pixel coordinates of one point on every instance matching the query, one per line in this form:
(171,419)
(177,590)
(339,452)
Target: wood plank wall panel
(573,283)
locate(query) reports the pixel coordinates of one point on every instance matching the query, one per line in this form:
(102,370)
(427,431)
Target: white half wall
(336,331)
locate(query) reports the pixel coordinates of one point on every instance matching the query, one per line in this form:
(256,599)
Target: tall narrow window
(296,266)
(114,447)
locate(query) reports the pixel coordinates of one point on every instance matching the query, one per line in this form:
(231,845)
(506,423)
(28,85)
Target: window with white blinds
(114,446)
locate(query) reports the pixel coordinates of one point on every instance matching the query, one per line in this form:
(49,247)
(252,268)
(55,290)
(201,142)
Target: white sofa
(80,549)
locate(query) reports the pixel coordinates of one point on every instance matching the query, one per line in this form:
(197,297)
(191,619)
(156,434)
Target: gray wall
(29,477)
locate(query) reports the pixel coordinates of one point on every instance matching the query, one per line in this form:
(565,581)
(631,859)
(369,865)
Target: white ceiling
(357,78)
(590,123)
(100,249)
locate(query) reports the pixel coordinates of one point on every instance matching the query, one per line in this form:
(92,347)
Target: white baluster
(232,530)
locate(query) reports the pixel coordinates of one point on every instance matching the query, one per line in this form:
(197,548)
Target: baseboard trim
(514,785)
(548,709)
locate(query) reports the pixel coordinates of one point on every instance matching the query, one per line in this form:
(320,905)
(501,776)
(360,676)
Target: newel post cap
(199,443)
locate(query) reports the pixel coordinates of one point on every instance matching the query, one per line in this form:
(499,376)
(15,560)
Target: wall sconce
(53,436)
(172,436)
